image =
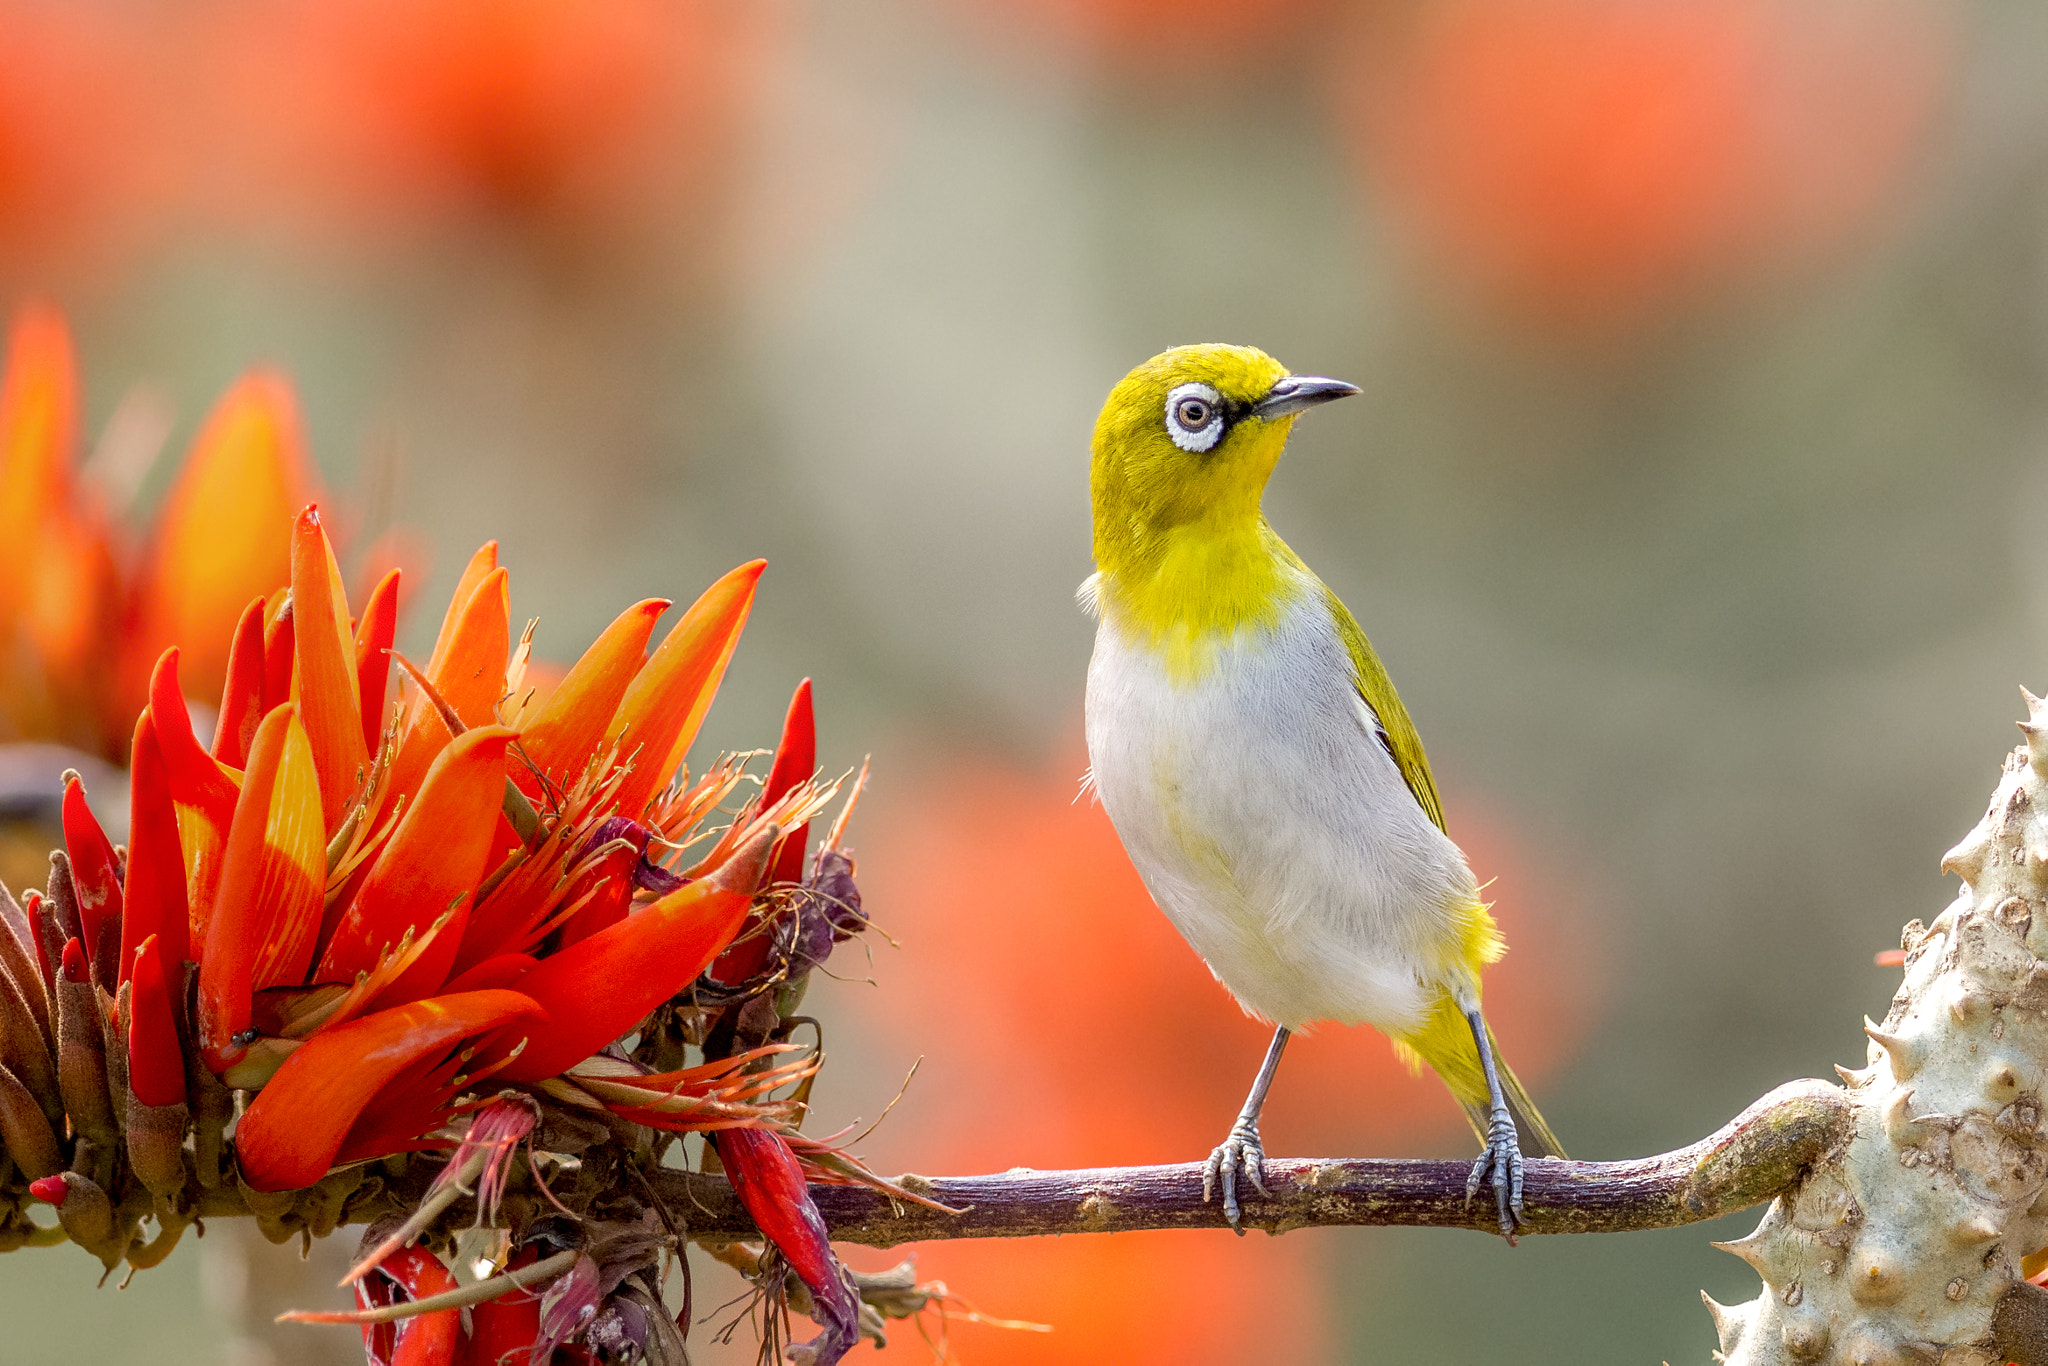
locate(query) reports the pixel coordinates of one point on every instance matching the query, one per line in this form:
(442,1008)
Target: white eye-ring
(1194,417)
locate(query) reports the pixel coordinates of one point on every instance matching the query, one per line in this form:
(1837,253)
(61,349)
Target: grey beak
(1297,392)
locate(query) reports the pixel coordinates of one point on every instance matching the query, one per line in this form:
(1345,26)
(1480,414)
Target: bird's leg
(1502,1160)
(1241,1153)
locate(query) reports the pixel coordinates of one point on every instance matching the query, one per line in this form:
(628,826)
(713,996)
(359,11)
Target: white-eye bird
(1259,766)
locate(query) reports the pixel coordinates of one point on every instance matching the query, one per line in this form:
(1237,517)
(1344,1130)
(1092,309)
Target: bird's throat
(1190,591)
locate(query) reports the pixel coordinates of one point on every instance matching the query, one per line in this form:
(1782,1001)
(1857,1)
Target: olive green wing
(1378,691)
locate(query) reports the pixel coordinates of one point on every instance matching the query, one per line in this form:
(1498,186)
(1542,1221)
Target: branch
(1761,1152)
(2019,1325)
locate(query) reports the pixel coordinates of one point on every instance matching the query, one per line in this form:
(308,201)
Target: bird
(1260,769)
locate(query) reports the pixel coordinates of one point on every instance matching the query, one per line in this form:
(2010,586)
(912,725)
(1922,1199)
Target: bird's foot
(1238,1155)
(1500,1165)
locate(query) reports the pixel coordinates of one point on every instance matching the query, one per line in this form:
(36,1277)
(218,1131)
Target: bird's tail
(1445,1042)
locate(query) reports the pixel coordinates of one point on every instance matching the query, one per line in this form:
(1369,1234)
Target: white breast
(1269,822)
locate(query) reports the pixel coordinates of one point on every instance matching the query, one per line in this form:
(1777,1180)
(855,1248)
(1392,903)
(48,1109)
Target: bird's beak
(1297,392)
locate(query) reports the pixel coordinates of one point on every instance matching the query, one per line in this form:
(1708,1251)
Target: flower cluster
(368,125)
(367,922)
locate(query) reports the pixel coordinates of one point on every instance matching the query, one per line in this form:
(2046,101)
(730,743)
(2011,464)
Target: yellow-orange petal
(38,431)
(69,621)
(665,704)
(571,724)
(470,677)
(432,863)
(203,795)
(324,667)
(156,893)
(473,574)
(470,674)
(217,542)
(267,913)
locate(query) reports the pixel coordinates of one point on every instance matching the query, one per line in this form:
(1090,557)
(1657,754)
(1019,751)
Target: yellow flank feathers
(1404,742)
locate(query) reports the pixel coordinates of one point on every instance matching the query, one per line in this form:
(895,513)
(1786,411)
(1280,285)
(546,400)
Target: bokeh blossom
(1080,1031)
(87,602)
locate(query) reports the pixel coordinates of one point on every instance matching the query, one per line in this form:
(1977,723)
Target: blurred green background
(1692,499)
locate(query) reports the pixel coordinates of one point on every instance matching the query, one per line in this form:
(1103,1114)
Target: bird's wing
(1396,731)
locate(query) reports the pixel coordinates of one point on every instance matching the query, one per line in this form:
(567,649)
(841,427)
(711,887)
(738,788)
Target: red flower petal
(598,989)
(156,1064)
(279,651)
(605,889)
(504,1329)
(292,1130)
(241,699)
(156,902)
(770,1184)
(796,758)
(373,658)
(501,971)
(424,1339)
(471,673)
(94,880)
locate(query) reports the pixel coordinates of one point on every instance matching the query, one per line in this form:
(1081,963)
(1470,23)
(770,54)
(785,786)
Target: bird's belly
(1273,828)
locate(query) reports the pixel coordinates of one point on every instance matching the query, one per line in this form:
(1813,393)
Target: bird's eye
(1194,417)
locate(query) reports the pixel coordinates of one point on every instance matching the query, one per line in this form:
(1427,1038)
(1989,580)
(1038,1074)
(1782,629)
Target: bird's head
(1191,435)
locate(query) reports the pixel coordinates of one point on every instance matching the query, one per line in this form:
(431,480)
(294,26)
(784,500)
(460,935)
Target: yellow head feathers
(1151,471)
(1182,452)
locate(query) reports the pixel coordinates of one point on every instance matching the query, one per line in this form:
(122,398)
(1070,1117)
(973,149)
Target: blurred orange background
(1703,347)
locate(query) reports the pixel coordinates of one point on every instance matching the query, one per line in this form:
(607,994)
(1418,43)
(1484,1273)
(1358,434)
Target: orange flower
(83,615)
(83,164)
(388,906)
(215,546)
(376,932)
(403,118)
(1585,163)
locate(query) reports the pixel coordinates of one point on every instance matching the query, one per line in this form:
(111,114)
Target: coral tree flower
(1589,166)
(376,922)
(598,124)
(397,905)
(84,612)
(420,918)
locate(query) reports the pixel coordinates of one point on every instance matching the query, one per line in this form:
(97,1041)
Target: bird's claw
(1239,1153)
(1501,1165)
